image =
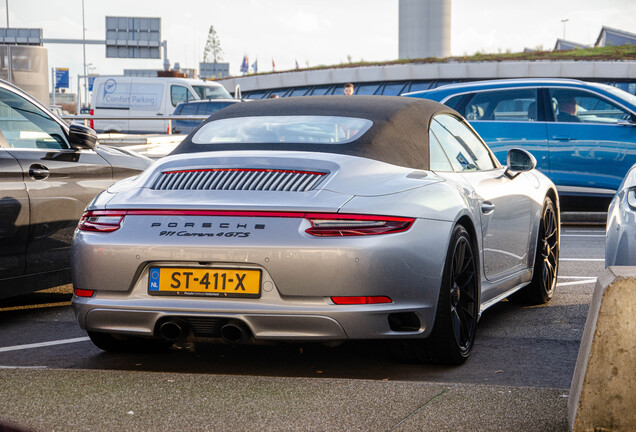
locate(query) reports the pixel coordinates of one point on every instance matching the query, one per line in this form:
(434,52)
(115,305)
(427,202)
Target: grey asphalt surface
(134,401)
(517,379)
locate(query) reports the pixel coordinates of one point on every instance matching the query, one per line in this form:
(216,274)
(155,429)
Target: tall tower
(425,27)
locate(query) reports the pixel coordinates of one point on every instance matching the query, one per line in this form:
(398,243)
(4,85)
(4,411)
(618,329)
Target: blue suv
(582,134)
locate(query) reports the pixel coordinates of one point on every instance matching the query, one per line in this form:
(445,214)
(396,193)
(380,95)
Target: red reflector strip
(361,300)
(83,292)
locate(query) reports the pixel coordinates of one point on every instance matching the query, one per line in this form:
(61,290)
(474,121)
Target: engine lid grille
(239,179)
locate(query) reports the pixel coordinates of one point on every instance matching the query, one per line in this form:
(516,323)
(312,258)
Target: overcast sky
(312,32)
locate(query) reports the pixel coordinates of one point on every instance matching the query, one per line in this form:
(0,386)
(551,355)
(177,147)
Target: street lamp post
(564,21)
(9,53)
(84,47)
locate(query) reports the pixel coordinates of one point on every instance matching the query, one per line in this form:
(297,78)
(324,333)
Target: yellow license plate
(216,282)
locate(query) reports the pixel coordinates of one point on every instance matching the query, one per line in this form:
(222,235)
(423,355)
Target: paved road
(518,376)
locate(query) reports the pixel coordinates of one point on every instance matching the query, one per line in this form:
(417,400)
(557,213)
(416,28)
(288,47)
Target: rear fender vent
(239,179)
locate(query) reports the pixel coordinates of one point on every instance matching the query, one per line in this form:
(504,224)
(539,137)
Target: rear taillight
(336,225)
(91,123)
(361,300)
(101,220)
(322,224)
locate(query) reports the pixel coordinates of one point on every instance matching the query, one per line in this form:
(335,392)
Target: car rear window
(212,107)
(283,129)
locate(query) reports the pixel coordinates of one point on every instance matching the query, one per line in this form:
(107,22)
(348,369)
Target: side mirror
(82,137)
(518,161)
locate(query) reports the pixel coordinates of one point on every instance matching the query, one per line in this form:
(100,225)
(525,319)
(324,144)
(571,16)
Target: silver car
(318,219)
(621,224)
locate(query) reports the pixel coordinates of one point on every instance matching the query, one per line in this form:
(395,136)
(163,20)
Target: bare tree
(212,49)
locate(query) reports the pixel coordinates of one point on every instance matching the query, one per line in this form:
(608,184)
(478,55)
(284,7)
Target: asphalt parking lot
(53,378)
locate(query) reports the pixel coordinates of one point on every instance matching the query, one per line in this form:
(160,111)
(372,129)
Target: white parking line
(577,277)
(583,259)
(581,282)
(23,367)
(44,344)
(583,235)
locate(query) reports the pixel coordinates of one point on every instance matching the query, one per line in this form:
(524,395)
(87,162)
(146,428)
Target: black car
(49,172)
(197,108)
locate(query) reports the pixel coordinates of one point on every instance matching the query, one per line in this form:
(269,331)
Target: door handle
(160,114)
(487,207)
(38,172)
(562,138)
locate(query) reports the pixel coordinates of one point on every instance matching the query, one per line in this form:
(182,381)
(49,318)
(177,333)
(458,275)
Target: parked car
(620,249)
(49,172)
(57,110)
(120,96)
(315,219)
(582,134)
(198,108)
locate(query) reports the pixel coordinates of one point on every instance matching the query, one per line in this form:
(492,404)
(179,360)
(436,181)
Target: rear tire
(453,334)
(131,344)
(546,261)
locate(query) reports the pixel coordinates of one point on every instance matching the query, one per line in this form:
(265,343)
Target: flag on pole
(245,65)
(297,67)
(273,65)
(255,66)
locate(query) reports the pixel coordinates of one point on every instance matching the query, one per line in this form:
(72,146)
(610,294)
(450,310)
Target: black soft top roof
(399,134)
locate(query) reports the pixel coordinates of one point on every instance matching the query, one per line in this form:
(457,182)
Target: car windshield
(281,129)
(211,92)
(621,94)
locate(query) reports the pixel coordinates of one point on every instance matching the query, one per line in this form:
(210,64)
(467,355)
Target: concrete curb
(603,390)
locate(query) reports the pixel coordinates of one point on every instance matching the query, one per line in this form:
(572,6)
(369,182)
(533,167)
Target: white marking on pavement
(581,282)
(23,367)
(583,235)
(583,259)
(577,277)
(44,344)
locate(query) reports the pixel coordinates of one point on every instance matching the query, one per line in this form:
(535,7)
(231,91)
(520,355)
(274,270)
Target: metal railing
(86,118)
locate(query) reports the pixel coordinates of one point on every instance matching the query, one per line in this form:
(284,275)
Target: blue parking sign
(61,77)
(91,80)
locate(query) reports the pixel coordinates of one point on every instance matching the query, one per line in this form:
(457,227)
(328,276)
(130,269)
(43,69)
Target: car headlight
(631,197)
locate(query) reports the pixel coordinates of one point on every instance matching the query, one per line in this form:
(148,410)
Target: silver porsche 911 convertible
(318,219)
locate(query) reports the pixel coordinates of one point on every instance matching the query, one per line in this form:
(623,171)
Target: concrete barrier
(603,391)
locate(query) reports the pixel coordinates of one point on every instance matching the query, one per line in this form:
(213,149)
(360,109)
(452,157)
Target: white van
(121,96)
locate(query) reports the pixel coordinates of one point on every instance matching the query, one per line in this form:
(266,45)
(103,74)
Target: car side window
(180,94)
(460,156)
(24,125)
(502,105)
(577,106)
(462,135)
(438,160)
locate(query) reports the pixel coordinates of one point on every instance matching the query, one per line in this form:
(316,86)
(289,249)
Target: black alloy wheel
(453,334)
(546,262)
(463,295)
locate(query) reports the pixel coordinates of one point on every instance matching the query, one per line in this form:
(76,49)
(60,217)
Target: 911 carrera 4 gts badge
(220,229)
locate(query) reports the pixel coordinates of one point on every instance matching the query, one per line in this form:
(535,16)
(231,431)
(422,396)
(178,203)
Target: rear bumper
(363,323)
